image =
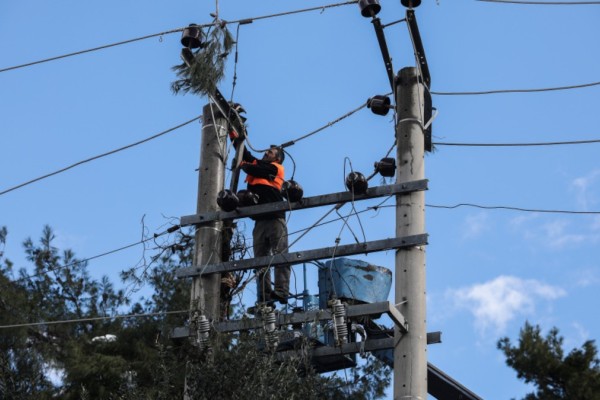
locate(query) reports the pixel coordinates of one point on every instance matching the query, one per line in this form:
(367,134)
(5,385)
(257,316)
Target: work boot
(278,296)
(254,310)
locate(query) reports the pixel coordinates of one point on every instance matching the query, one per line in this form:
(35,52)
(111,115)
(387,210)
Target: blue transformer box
(354,281)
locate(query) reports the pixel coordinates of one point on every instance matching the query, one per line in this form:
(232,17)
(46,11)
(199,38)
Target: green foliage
(207,68)
(237,369)
(541,361)
(142,362)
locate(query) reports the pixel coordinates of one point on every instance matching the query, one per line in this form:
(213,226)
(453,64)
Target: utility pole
(410,349)
(205,290)
(211,178)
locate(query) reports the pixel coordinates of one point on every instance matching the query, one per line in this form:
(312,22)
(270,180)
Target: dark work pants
(270,238)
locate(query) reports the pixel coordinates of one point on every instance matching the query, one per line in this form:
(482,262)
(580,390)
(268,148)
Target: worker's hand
(233,135)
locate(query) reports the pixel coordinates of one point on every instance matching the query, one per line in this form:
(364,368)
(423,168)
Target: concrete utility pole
(211,179)
(410,349)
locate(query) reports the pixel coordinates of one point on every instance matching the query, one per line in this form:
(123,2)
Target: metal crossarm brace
(304,256)
(419,49)
(308,202)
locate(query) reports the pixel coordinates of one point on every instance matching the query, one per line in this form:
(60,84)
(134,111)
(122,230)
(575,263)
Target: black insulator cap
(227,200)
(411,3)
(192,37)
(247,198)
(357,183)
(369,8)
(379,104)
(386,167)
(292,191)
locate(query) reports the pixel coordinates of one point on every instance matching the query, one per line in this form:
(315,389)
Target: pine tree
(134,358)
(541,361)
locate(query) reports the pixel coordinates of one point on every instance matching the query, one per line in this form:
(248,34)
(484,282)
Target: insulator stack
(203,332)
(270,328)
(339,323)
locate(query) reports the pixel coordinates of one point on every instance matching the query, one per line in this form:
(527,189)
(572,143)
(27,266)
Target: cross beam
(307,202)
(304,256)
(352,311)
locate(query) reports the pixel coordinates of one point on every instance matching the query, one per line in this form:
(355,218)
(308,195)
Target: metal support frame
(305,256)
(384,50)
(415,35)
(307,202)
(352,311)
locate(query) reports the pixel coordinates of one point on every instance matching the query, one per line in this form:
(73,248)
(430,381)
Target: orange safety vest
(276,183)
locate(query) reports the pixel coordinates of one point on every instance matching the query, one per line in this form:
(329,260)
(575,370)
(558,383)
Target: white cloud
(495,303)
(557,237)
(587,277)
(595,223)
(557,234)
(475,225)
(64,241)
(582,187)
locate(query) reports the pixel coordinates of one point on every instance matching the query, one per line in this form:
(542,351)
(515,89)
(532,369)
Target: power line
(100,156)
(106,46)
(517,144)
(516,90)
(70,321)
(545,3)
(514,209)
(327,125)
(156,235)
(250,20)
(240,21)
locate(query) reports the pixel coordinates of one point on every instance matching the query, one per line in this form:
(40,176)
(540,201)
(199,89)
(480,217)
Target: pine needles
(206,67)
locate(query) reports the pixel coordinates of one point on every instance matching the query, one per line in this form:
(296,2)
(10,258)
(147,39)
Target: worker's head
(274,154)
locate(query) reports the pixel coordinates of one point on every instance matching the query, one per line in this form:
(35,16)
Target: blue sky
(488,270)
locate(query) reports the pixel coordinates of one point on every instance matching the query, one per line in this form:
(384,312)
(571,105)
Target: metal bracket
(413,28)
(398,319)
(384,51)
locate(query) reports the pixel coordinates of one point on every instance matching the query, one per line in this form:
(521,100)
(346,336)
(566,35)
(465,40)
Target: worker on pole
(265,178)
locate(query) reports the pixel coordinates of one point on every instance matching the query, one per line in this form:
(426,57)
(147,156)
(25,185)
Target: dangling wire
(293,163)
(352,201)
(235,62)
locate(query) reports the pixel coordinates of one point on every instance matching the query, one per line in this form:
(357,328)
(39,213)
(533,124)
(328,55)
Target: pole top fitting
(411,3)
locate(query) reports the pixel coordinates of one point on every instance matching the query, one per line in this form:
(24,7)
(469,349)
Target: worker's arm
(260,169)
(248,157)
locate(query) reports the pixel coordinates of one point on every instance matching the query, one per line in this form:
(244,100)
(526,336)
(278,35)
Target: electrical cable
(250,20)
(393,23)
(156,235)
(514,209)
(70,321)
(106,46)
(235,62)
(293,163)
(240,21)
(583,85)
(518,144)
(353,204)
(329,124)
(100,156)
(292,142)
(318,223)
